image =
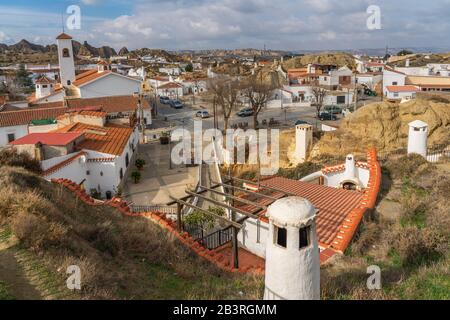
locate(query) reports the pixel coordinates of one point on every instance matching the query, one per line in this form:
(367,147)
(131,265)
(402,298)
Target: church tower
(66,59)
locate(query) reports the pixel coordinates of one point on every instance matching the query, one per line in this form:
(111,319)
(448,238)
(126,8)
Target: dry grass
(120,257)
(412,252)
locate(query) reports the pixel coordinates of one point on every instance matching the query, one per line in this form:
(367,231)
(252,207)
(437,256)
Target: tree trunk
(255,121)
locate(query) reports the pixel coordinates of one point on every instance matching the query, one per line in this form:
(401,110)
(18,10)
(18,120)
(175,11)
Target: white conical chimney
(292,252)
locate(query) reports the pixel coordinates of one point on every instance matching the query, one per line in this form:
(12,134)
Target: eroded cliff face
(385,126)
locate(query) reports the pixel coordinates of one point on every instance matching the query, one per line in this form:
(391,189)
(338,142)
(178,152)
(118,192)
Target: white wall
(390,78)
(110,85)
(19,132)
(253,241)
(400,95)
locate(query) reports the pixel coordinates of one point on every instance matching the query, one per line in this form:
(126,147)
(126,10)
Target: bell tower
(66,59)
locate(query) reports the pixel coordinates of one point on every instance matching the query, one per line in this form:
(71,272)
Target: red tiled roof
(89,76)
(111,104)
(395,71)
(44,80)
(407,88)
(333,204)
(63,36)
(62,164)
(47,138)
(109,139)
(340,211)
(25,116)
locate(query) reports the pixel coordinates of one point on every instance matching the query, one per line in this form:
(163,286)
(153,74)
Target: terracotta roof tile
(63,36)
(24,117)
(407,88)
(48,138)
(108,139)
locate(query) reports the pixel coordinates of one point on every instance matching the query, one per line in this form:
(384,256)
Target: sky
(229,24)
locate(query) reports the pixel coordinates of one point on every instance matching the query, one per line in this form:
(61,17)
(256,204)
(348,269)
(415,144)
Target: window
(11,137)
(101,173)
(66,53)
(396,94)
(280,236)
(88,173)
(44,86)
(127,161)
(304,237)
(394,83)
(121,173)
(340,99)
(69,83)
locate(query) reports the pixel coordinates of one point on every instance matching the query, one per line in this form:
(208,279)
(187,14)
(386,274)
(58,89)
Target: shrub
(136,175)
(10,157)
(412,165)
(140,163)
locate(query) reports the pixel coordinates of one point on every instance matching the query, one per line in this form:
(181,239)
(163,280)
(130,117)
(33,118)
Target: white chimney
(417,138)
(292,252)
(303,141)
(350,168)
(407,63)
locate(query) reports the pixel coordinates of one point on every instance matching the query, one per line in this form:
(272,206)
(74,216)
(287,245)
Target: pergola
(230,187)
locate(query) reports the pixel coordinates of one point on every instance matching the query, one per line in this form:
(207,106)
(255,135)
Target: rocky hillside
(385,126)
(339,58)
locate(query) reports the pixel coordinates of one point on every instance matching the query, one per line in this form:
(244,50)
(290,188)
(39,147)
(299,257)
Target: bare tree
(258,92)
(319,94)
(226,93)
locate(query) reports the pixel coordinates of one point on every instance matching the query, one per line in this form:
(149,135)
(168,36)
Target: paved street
(185,117)
(158,182)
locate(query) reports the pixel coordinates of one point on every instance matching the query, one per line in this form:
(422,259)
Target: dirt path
(13,275)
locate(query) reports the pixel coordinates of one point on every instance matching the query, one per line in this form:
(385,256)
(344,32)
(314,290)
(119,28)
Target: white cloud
(91,2)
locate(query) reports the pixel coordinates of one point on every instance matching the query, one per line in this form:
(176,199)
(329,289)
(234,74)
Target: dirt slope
(385,126)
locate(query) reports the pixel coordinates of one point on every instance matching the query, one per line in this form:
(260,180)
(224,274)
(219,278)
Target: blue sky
(203,24)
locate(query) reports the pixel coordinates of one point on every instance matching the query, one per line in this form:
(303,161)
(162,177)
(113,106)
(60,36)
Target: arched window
(66,53)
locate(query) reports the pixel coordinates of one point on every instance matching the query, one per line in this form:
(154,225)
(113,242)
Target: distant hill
(85,49)
(339,58)
(123,51)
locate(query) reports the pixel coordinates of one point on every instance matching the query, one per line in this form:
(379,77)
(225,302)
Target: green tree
(404,53)
(205,221)
(23,77)
(189,68)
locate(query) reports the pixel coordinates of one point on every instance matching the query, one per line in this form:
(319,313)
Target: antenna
(62,22)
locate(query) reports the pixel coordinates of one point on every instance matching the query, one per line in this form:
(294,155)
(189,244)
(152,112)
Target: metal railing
(217,239)
(154,208)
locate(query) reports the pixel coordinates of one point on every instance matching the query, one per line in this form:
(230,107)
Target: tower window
(66,53)
(304,237)
(280,236)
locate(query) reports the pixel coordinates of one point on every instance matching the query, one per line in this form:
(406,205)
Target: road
(185,117)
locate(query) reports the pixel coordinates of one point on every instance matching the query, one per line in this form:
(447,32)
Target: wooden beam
(171,203)
(236,198)
(234,224)
(221,204)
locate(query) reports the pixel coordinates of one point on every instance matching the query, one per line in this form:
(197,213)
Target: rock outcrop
(385,126)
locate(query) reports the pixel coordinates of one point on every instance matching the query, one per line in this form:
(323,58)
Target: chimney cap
(292,211)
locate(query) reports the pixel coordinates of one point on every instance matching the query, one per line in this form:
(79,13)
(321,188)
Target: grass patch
(4,295)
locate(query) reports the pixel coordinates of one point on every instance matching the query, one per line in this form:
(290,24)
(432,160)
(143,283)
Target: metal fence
(155,208)
(439,152)
(217,239)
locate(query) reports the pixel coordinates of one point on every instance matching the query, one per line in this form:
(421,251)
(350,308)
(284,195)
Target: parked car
(333,109)
(164,100)
(202,114)
(246,112)
(298,122)
(327,116)
(176,104)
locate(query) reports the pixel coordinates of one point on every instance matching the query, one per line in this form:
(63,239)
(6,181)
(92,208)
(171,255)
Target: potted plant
(140,163)
(165,138)
(136,175)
